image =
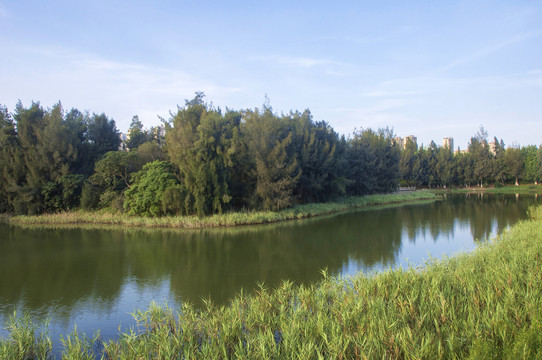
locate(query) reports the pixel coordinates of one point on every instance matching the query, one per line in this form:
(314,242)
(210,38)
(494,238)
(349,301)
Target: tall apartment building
(448,142)
(402,142)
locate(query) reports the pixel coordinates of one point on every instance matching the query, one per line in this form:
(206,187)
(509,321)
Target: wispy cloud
(120,89)
(298,61)
(487,50)
(385,93)
(303,62)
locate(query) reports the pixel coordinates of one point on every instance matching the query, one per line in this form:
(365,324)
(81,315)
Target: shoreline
(525,189)
(232,219)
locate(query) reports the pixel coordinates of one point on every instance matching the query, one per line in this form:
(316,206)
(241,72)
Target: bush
(145,196)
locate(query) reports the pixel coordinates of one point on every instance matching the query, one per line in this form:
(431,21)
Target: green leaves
(145,196)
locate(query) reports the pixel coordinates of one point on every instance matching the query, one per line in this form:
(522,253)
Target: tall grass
(484,304)
(24,341)
(222,220)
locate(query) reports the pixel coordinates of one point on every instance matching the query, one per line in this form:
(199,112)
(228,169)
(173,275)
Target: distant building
(493,146)
(124,137)
(448,143)
(402,142)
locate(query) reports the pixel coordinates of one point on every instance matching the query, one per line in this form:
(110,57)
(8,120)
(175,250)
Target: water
(95,278)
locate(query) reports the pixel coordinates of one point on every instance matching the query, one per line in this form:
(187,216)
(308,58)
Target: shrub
(145,196)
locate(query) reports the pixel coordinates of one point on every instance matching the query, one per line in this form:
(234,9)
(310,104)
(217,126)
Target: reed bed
(222,220)
(486,304)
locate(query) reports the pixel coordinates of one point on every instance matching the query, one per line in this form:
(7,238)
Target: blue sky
(429,68)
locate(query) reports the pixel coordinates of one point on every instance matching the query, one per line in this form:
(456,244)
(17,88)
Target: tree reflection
(42,267)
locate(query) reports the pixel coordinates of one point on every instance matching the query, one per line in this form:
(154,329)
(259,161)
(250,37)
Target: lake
(95,278)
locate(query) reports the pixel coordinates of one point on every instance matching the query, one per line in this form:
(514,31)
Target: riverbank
(224,220)
(527,189)
(484,304)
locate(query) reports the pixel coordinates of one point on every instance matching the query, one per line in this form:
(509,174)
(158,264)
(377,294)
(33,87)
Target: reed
(525,189)
(483,304)
(25,341)
(222,220)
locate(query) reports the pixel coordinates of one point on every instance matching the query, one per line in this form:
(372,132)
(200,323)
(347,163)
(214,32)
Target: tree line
(484,163)
(204,161)
(207,161)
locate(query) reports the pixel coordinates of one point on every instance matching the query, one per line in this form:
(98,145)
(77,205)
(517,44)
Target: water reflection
(94,277)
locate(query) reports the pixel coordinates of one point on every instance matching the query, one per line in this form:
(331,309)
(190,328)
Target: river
(95,278)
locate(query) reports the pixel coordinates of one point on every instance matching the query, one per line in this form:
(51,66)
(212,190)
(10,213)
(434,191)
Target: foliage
(228,160)
(114,171)
(201,143)
(63,194)
(145,195)
(25,342)
(372,161)
(136,134)
(276,171)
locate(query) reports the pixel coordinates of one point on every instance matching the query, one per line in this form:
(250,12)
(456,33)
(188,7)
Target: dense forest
(483,163)
(204,161)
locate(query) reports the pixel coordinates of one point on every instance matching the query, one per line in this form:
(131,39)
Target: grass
(526,189)
(222,220)
(484,304)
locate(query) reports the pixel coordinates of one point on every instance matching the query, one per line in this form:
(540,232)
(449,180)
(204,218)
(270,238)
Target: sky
(432,69)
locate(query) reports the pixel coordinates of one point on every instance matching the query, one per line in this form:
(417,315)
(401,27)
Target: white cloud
(97,84)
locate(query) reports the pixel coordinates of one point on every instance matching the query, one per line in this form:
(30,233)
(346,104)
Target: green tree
(145,196)
(372,162)
(514,163)
(532,164)
(201,142)
(319,154)
(114,171)
(407,162)
(102,135)
(136,134)
(12,167)
(150,151)
(63,194)
(444,166)
(499,168)
(276,168)
(481,156)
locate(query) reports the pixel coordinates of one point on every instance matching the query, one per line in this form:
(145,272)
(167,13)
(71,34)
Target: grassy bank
(485,304)
(527,189)
(226,219)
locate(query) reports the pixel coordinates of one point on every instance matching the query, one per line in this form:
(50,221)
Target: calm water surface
(97,278)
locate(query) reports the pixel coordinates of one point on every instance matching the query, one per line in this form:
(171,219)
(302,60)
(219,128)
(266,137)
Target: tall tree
(319,154)
(514,163)
(276,168)
(481,155)
(136,134)
(532,164)
(102,135)
(372,162)
(200,141)
(407,161)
